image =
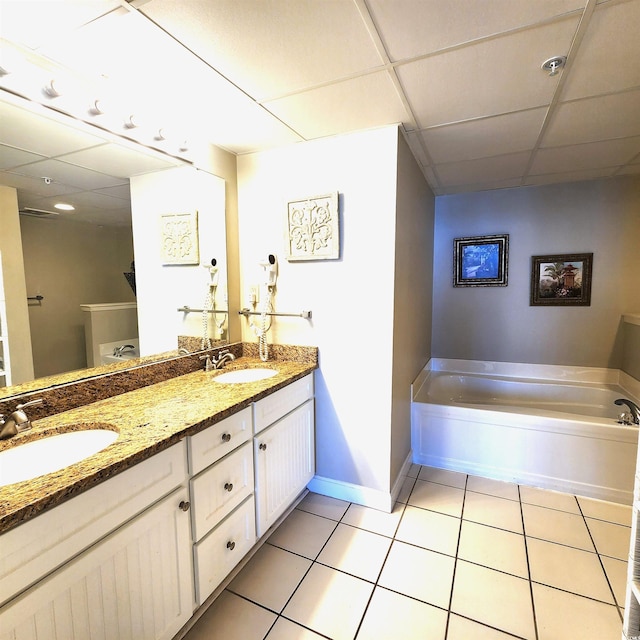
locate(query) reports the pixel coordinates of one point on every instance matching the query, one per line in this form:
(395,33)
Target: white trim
(631,318)
(365,496)
(109,306)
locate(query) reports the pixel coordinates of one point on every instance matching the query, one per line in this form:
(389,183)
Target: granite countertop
(148,420)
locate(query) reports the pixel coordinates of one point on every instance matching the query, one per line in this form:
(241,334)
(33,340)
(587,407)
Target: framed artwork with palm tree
(561,280)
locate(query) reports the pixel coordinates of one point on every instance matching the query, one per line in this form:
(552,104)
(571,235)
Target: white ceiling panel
(490,78)
(570,176)
(493,136)
(413,28)
(361,103)
(64,173)
(270,47)
(592,119)
(10,157)
(608,56)
(471,172)
(608,153)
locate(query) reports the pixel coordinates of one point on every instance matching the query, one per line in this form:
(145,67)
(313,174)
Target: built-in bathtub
(546,426)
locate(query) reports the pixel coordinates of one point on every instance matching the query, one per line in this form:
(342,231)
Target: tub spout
(634,409)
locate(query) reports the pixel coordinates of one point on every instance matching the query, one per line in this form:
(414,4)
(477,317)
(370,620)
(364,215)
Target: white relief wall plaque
(179,237)
(312,228)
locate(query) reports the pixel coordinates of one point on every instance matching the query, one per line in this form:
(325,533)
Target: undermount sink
(245,375)
(51,453)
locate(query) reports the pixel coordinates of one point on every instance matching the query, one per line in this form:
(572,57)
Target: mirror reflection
(67,283)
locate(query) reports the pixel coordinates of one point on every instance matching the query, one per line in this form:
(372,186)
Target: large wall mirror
(80,257)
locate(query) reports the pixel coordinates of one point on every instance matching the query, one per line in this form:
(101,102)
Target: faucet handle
(29,404)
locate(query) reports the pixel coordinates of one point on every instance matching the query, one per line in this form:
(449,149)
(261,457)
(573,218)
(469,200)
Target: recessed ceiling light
(63,206)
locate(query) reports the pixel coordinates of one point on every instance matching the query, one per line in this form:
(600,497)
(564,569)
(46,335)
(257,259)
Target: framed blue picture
(481,261)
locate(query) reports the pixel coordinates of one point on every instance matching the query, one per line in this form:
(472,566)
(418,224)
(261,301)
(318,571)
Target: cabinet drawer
(218,440)
(220,489)
(278,404)
(28,553)
(219,552)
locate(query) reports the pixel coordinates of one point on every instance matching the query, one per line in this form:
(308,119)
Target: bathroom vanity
(130,542)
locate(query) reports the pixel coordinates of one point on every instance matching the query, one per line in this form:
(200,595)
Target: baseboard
(365,496)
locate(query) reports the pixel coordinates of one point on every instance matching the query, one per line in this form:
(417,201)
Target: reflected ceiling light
(132,122)
(53,88)
(553,65)
(184,145)
(97,108)
(63,206)
(160,135)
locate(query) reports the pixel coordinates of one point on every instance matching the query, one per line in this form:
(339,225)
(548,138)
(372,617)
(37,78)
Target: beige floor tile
(323,506)
(463,629)
(570,569)
(384,524)
(356,551)
(493,598)
(609,511)
(406,489)
(616,571)
(303,533)
(494,548)
(270,577)
(232,618)
(443,476)
(284,629)
(437,497)
(493,511)
(391,615)
(549,499)
(565,615)
(610,539)
(556,526)
(329,602)
(429,529)
(419,573)
(497,488)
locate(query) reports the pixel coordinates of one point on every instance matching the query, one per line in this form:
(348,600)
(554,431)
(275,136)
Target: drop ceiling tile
(608,56)
(415,27)
(274,47)
(592,119)
(493,136)
(570,176)
(62,172)
(481,186)
(471,172)
(10,157)
(592,155)
(41,135)
(489,78)
(118,161)
(33,185)
(362,103)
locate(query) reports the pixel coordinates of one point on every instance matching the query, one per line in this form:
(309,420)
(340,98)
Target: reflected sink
(245,375)
(51,453)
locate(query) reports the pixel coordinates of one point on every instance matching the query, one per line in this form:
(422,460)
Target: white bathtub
(546,426)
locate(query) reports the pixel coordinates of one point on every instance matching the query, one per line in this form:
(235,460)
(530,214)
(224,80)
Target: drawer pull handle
(184,505)
(226,437)
(228,486)
(262,447)
(231,545)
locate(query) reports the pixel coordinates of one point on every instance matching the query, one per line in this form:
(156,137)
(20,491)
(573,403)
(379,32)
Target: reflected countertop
(148,420)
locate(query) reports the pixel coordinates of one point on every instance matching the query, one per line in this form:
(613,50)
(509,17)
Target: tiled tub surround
(148,419)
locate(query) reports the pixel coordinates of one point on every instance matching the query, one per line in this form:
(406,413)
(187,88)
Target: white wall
(352,299)
(497,323)
(163,289)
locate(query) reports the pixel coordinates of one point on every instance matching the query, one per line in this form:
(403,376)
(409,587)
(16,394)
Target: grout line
(526,552)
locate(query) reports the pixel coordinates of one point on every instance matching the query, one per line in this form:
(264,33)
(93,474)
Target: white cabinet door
(284,456)
(136,584)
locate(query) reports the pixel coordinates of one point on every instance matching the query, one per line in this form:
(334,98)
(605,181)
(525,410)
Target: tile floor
(460,557)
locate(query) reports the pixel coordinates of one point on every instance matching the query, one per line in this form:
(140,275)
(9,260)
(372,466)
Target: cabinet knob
(184,505)
(262,446)
(226,437)
(228,486)
(231,545)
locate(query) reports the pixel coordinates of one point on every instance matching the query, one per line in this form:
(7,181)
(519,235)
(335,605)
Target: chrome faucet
(634,409)
(211,363)
(17,421)
(118,351)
